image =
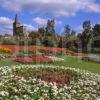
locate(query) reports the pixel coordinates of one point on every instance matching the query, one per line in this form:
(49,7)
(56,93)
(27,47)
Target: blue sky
(34,13)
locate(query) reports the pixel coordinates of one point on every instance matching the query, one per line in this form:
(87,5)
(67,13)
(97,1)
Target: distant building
(18,29)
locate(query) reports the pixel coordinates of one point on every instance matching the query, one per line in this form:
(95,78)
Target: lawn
(68,62)
(7,62)
(77,63)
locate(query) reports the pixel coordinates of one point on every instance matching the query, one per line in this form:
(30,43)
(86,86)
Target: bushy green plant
(47,42)
(9,41)
(28,53)
(25,53)
(92,58)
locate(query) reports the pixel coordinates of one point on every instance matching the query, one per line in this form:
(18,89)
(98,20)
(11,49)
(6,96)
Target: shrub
(92,58)
(49,43)
(26,53)
(9,41)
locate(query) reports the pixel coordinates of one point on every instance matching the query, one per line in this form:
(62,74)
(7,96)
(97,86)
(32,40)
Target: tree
(34,34)
(86,35)
(50,29)
(96,33)
(67,31)
(50,38)
(48,42)
(96,30)
(60,42)
(73,33)
(87,25)
(42,30)
(0,37)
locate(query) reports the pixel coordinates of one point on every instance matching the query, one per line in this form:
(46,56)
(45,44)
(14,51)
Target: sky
(35,13)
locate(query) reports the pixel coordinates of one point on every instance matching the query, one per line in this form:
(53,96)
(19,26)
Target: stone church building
(18,29)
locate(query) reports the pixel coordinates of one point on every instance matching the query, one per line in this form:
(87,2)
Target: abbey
(18,29)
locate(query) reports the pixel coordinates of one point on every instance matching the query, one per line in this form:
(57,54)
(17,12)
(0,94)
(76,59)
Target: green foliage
(92,58)
(67,31)
(26,53)
(50,28)
(8,41)
(47,42)
(85,36)
(96,35)
(50,91)
(42,30)
(87,25)
(96,30)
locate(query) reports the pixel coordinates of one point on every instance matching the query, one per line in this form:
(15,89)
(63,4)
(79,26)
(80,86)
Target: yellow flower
(6,50)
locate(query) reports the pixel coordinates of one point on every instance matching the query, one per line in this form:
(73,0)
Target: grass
(68,62)
(77,63)
(7,62)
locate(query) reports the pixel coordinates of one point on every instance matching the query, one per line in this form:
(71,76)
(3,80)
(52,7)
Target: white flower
(4,93)
(1,83)
(88,82)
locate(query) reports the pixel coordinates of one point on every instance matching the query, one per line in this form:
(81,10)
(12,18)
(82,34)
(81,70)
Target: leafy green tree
(67,31)
(86,35)
(9,41)
(96,34)
(73,33)
(42,30)
(87,25)
(60,42)
(50,28)
(48,42)
(69,38)
(96,30)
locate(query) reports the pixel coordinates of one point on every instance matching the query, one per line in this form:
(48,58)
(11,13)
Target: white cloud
(58,22)
(52,7)
(42,22)
(29,27)
(90,6)
(5,21)
(6,26)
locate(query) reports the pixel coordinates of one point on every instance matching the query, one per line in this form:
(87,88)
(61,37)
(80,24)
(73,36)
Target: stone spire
(16,19)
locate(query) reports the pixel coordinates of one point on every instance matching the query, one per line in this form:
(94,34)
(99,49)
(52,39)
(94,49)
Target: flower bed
(38,82)
(23,59)
(58,77)
(2,56)
(41,59)
(54,58)
(5,50)
(30,56)
(35,59)
(16,49)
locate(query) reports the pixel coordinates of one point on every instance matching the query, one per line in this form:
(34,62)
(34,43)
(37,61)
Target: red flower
(41,59)
(22,59)
(16,48)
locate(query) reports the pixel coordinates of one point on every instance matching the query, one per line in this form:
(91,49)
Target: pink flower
(23,59)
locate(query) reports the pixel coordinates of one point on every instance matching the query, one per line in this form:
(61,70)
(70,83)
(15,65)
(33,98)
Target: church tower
(18,30)
(16,24)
